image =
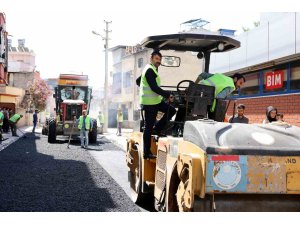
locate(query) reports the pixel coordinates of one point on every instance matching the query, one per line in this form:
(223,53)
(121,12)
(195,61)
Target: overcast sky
(60,31)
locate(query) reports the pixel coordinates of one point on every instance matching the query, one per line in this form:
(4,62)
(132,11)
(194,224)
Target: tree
(255,23)
(36,95)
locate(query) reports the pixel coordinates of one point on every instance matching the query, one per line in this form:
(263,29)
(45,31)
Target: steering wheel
(180,92)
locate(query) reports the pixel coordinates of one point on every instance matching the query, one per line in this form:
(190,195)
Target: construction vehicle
(72,96)
(214,166)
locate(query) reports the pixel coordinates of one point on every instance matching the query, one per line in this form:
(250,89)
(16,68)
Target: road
(37,176)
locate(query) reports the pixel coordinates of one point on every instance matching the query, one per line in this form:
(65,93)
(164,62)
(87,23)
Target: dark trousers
(5,125)
(150,119)
(13,128)
(1,137)
(34,126)
(119,128)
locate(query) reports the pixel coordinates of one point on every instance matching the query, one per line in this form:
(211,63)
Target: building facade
(21,72)
(10,97)
(269,58)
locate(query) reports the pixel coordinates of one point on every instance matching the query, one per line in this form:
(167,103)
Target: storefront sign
(274,80)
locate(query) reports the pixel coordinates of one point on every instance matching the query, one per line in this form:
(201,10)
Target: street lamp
(96,33)
(106,74)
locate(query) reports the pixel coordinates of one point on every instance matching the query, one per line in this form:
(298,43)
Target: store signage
(274,80)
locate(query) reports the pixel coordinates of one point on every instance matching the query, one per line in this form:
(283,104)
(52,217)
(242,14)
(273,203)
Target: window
(117,83)
(251,86)
(127,79)
(73,110)
(295,75)
(140,62)
(275,79)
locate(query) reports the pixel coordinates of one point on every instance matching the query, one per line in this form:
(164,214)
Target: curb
(115,142)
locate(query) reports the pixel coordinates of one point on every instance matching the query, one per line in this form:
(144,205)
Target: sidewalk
(120,141)
(9,139)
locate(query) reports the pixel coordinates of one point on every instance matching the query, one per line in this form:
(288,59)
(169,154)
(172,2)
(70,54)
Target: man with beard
(240,115)
(224,86)
(151,100)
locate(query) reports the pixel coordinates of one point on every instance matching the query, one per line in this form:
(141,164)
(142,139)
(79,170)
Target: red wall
(289,105)
(3,75)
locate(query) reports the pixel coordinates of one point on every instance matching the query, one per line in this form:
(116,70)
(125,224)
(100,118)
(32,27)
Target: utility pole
(105,106)
(107,31)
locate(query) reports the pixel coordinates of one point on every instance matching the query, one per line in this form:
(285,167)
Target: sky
(60,31)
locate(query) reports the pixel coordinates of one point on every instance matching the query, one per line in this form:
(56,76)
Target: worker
(119,122)
(151,100)
(84,126)
(13,123)
(101,118)
(59,116)
(224,86)
(1,123)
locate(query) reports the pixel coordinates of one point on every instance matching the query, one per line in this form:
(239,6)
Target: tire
(93,133)
(135,181)
(52,131)
(44,130)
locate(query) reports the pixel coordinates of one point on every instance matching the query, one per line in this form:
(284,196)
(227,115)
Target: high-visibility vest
(119,117)
(87,122)
(219,81)
(14,118)
(147,96)
(1,118)
(101,118)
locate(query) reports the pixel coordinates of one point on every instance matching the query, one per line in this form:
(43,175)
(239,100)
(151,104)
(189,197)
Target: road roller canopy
(195,42)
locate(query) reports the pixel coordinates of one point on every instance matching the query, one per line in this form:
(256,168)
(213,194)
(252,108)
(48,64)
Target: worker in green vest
(101,118)
(119,122)
(224,86)
(151,100)
(13,123)
(85,125)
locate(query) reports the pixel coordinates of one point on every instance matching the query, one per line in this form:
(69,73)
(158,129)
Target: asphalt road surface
(37,176)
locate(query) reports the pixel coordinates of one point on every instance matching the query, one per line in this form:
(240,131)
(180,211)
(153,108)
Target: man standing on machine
(151,100)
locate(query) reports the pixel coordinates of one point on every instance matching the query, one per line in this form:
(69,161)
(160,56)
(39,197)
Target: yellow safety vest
(219,81)
(14,118)
(147,96)
(1,118)
(87,122)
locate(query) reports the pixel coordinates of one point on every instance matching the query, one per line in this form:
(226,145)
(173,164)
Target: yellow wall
(8,99)
(16,100)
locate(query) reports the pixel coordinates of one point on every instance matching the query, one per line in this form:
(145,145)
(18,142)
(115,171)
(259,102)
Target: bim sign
(274,80)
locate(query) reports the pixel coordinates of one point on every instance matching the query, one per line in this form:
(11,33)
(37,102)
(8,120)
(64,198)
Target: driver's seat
(200,97)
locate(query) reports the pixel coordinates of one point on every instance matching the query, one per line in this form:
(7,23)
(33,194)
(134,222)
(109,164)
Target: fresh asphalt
(37,176)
